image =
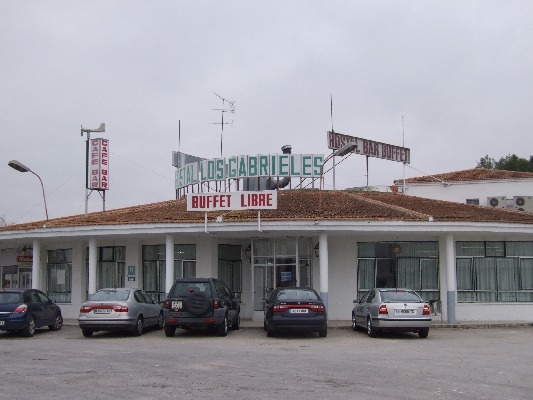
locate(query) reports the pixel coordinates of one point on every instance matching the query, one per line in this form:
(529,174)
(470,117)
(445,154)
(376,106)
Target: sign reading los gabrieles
(370,148)
(263,200)
(250,166)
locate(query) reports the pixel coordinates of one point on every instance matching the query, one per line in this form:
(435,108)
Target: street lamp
(22,168)
(347,148)
(101,128)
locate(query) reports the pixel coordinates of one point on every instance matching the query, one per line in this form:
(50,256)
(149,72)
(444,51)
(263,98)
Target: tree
(509,163)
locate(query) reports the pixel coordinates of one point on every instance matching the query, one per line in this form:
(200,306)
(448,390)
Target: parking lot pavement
(449,364)
(346,324)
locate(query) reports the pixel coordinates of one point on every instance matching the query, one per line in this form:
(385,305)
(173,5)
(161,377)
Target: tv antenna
(227,107)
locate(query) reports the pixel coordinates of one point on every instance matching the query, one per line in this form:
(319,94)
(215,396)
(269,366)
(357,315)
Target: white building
(487,187)
(472,262)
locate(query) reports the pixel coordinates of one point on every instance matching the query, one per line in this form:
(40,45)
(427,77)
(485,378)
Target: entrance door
(25,279)
(263,285)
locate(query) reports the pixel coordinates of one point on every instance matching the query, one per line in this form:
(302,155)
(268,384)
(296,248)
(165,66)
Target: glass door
(263,285)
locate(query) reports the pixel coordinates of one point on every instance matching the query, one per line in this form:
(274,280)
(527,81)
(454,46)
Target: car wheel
(423,333)
(58,323)
(138,329)
(370,328)
(197,303)
(29,330)
(237,324)
(222,329)
(170,330)
(87,332)
(323,332)
(160,322)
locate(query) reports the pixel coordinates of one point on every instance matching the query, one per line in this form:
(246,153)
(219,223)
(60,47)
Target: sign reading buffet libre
(262,200)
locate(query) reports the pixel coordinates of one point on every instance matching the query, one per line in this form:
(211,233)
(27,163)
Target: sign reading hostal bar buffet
(370,148)
(263,200)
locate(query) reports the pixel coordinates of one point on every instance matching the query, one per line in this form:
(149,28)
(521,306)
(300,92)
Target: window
(412,265)
(230,266)
(110,272)
(472,201)
(154,267)
(494,271)
(59,275)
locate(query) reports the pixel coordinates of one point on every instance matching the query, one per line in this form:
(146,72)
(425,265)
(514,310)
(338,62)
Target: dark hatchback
(296,309)
(201,303)
(25,310)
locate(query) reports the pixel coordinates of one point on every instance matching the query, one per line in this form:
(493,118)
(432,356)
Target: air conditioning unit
(523,203)
(497,201)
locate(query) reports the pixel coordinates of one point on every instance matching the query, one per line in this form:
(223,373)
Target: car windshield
(183,289)
(297,294)
(10,298)
(110,295)
(399,296)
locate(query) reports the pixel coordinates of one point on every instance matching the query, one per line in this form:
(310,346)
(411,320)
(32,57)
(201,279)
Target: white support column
(93,260)
(36,266)
(324,267)
(451,279)
(169,263)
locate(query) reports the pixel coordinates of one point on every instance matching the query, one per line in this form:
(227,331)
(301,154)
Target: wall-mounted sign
(267,199)
(370,148)
(99,164)
(24,259)
(252,166)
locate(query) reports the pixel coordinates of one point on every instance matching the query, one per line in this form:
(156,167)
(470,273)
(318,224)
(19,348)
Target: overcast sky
(459,74)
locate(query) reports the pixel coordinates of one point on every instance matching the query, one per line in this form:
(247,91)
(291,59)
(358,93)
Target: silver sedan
(401,310)
(119,309)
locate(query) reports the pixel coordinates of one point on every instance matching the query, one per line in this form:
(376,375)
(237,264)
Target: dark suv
(201,303)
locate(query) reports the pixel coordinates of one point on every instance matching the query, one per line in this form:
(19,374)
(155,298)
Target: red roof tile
(468,175)
(299,205)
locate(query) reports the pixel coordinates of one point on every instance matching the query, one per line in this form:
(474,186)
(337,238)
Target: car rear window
(110,295)
(400,295)
(296,294)
(10,298)
(183,289)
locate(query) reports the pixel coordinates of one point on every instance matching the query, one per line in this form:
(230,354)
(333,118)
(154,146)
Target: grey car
(119,309)
(400,310)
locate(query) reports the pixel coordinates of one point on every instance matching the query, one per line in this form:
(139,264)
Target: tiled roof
(299,205)
(468,175)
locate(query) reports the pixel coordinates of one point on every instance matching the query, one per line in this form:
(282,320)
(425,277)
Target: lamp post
(101,128)
(347,148)
(22,168)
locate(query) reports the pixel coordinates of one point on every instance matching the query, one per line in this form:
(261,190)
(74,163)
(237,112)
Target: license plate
(299,310)
(404,311)
(102,311)
(177,305)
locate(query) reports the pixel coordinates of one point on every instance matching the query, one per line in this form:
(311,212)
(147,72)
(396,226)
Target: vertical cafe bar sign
(99,168)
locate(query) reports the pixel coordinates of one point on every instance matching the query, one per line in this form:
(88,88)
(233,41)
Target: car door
(363,307)
(45,311)
(224,295)
(152,309)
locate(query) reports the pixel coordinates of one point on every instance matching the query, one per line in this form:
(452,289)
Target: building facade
(471,262)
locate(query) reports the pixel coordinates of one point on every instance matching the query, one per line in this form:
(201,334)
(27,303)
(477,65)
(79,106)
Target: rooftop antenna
(229,107)
(331,116)
(179,135)
(403,145)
